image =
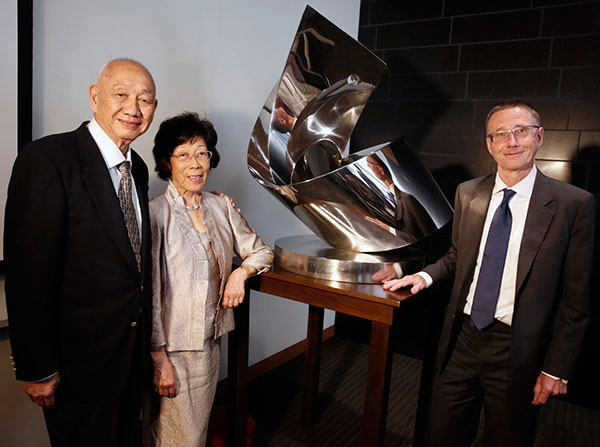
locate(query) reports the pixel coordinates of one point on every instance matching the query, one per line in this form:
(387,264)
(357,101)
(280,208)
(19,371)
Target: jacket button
(133,323)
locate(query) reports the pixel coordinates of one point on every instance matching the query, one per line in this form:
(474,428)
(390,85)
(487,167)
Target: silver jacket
(180,282)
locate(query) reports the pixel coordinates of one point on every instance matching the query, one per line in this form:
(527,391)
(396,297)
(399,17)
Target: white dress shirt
(113,157)
(518,205)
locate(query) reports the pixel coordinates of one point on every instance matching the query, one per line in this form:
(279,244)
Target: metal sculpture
(378,199)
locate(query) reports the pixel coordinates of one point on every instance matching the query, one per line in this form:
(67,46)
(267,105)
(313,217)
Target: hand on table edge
(416,282)
(235,287)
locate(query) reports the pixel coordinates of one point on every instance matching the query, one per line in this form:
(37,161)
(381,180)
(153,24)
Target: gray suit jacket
(179,286)
(553,275)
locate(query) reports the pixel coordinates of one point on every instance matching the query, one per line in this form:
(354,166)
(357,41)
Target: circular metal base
(311,256)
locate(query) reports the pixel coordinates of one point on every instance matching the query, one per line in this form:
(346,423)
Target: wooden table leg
(378,386)
(237,373)
(312,364)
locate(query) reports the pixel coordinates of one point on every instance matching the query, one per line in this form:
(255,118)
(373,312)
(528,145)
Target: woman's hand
(234,289)
(165,382)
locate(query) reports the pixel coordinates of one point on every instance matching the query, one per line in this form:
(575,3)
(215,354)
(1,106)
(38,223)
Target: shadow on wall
(589,155)
(586,173)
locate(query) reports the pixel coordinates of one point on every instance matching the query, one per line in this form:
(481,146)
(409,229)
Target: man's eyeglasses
(184,157)
(519,133)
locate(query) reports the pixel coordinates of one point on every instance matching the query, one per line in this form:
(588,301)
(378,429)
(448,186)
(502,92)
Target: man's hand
(385,274)
(234,289)
(417,282)
(165,381)
(42,393)
(547,386)
(220,194)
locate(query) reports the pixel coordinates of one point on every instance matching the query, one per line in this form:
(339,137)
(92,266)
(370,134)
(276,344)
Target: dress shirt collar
(109,150)
(524,187)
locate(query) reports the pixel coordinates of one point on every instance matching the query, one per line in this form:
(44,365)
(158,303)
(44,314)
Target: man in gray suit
(521,263)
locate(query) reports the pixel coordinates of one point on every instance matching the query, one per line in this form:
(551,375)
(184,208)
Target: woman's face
(190,165)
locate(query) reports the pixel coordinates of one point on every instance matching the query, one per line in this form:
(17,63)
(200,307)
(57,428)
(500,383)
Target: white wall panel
(217,57)
(8,112)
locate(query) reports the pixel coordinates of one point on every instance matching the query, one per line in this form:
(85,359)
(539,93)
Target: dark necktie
(492,265)
(126,202)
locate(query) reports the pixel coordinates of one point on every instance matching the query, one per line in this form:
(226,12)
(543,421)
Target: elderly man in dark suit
(521,263)
(77,250)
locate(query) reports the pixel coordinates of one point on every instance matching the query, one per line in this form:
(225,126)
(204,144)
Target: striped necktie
(126,202)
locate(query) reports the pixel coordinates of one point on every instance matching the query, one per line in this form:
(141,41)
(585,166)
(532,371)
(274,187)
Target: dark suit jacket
(553,275)
(73,290)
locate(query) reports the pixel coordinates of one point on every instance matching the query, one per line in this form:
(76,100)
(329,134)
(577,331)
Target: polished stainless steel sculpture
(379,199)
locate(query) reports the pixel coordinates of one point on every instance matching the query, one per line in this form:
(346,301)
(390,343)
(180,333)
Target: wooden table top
(367,292)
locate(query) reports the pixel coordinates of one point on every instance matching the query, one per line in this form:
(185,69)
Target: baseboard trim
(273,361)
(279,358)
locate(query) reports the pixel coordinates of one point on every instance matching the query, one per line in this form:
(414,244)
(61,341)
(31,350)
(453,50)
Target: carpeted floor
(275,403)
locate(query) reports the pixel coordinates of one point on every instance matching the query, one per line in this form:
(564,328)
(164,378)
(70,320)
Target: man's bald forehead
(122,62)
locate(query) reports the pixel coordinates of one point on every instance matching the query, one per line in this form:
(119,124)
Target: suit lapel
(95,175)
(477,212)
(539,217)
(473,211)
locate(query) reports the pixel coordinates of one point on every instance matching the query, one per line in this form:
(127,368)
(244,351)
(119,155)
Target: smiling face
(123,101)
(515,156)
(190,176)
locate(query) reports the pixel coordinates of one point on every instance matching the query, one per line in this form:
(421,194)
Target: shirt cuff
(428,279)
(44,379)
(555,378)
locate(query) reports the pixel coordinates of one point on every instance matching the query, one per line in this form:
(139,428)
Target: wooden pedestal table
(367,301)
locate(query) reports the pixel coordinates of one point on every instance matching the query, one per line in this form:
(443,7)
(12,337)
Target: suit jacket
(76,300)
(180,283)
(553,274)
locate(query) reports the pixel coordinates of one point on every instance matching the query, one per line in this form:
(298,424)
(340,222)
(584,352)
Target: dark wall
(451,60)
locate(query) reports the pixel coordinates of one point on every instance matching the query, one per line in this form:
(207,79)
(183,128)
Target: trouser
(478,374)
(112,424)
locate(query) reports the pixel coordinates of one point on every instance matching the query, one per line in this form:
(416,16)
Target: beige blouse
(180,277)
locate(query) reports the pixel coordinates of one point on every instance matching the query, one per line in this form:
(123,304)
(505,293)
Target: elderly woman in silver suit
(194,237)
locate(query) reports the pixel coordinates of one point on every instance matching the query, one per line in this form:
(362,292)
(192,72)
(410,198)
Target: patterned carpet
(275,404)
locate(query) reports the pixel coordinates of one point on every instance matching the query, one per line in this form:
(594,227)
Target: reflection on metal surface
(310,256)
(379,199)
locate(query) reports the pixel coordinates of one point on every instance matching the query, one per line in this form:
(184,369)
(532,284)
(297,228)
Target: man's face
(377,169)
(123,102)
(515,153)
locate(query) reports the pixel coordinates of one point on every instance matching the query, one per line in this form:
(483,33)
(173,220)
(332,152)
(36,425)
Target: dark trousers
(112,424)
(478,374)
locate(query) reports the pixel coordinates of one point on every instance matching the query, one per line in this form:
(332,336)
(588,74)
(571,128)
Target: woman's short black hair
(178,130)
